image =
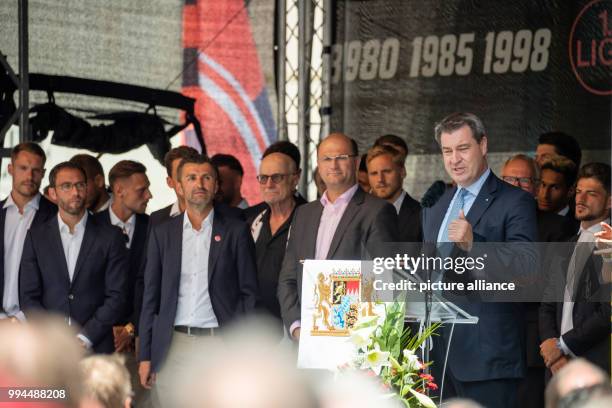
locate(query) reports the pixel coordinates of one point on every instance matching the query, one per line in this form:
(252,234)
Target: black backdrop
(401,65)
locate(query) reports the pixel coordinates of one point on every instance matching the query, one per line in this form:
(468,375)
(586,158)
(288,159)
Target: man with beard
(386,172)
(74,265)
(230,180)
(200,275)
(24,207)
(580,326)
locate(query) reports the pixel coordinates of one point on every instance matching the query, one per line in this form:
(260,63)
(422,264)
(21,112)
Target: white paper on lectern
(325,343)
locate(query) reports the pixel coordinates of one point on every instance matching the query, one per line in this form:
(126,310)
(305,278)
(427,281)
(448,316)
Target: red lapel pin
(217,238)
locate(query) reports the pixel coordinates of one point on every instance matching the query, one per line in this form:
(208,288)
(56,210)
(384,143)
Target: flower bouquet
(388,350)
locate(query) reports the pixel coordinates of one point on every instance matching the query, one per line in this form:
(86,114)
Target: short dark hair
(29,147)
(390,139)
(227,160)
(63,166)
(287,148)
(598,171)
(565,145)
(456,121)
(125,169)
(181,152)
(562,165)
(199,159)
(89,164)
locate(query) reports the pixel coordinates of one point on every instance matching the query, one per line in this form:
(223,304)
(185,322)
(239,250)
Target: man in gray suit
(344,224)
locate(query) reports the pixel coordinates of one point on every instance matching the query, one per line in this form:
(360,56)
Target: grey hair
(456,121)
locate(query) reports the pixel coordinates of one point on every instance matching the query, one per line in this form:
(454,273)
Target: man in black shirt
(278,178)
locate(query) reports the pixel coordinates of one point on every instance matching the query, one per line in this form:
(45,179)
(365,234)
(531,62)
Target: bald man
(345,224)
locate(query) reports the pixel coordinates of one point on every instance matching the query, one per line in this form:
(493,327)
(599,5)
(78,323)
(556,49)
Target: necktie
(454,213)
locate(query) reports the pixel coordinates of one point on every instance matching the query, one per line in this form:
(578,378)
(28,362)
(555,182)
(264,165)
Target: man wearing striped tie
(485,360)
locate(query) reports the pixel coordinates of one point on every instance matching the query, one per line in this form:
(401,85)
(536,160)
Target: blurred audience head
(386,172)
(27,169)
(576,374)
(460,403)
(394,141)
(557,144)
(522,171)
(557,179)
(587,397)
(44,353)
(97,195)
(230,178)
(362,176)
(106,381)
(247,369)
(130,185)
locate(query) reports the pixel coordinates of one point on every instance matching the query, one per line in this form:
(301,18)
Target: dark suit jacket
(95,298)
(553,227)
(135,283)
(493,348)
(367,223)
(409,220)
(590,337)
(232,280)
(46,210)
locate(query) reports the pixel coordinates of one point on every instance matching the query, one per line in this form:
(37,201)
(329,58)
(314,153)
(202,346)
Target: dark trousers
(531,389)
(501,393)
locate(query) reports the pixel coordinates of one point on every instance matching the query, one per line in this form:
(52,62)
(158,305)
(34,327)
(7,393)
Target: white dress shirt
(400,200)
(16,226)
(194,305)
(567,321)
(127,227)
(175,209)
(71,243)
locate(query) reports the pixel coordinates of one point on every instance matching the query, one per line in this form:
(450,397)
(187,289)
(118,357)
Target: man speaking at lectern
(485,361)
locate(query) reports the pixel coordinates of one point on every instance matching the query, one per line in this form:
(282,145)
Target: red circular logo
(590,47)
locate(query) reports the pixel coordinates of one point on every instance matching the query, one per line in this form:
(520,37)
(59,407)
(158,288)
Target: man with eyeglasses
(24,207)
(278,178)
(74,265)
(522,171)
(345,224)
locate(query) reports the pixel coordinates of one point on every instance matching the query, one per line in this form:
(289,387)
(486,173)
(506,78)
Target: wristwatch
(558,344)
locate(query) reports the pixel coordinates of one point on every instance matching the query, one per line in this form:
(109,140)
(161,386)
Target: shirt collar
(476,186)
(563,212)
(400,200)
(207,221)
(175,209)
(343,199)
(117,221)
(592,229)
(33,203)
(80,225)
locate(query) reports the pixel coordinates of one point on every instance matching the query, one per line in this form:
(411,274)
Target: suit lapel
(311,231)
(88,240)
(217,238)
(483,200)
(55,242)
(349,214)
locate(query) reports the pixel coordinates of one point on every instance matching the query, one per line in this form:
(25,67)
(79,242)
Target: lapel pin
(217,238)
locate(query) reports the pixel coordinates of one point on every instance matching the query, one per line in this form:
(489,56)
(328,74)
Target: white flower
(362,337)
(376,359)
(411,361)
(423,399)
